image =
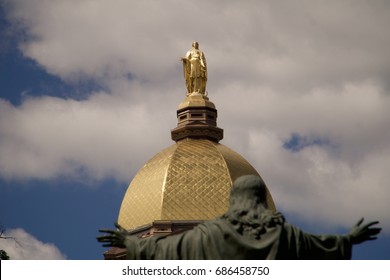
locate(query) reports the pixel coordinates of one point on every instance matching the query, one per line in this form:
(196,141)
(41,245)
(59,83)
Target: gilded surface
(189,180)
(196,100)
(238,166)
(143,199)
(195,70)
(198,182)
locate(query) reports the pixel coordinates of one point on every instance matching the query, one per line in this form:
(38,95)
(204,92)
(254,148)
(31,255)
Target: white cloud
(24,246)
(320,70)
(282,44)
(100,137)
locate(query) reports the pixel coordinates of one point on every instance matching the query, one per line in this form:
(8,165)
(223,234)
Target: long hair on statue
(248,211)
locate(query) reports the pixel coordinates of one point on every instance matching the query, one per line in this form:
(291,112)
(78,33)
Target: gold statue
(195,70)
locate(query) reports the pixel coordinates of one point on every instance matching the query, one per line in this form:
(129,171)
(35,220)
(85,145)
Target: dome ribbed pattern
(190,180)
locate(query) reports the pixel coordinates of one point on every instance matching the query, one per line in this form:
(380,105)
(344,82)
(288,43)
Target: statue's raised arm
(195,70)
(361,233)
(113,238)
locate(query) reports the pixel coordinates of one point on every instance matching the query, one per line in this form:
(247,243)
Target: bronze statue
(195,70)
(248,230)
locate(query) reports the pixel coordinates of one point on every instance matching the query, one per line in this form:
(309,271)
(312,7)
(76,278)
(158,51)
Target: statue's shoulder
(217,224)
(189,53)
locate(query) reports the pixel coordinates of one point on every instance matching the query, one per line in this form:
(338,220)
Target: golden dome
(190,180)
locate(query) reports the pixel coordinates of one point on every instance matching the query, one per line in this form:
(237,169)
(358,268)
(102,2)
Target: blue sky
(89,91)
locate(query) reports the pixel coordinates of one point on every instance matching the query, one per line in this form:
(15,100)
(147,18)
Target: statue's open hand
(361,233)
(113,238)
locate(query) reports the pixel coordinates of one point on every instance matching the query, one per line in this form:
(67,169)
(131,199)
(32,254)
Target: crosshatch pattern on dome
(190,180)
(198,182)
(142,202)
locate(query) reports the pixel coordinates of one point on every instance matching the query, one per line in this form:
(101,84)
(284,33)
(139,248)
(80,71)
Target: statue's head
(195,45)
(248,212)
(248,188)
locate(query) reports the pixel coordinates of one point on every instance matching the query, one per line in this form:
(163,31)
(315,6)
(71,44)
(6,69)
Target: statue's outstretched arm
(113,238)
(361,233)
